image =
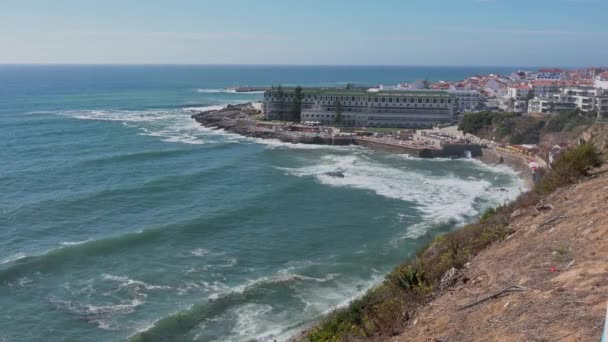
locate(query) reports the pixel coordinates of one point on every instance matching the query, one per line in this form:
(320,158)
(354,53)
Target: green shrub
(567,120)
(570,167)
(488,214)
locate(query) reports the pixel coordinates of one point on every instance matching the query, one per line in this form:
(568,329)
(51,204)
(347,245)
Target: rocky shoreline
(243,119)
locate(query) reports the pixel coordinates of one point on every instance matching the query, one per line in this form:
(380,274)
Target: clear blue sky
(395,32)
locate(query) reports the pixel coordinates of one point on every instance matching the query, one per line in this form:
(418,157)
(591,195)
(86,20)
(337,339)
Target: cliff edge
(557,256)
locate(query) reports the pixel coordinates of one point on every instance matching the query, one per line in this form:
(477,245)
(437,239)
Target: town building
(519,92)
(542,87)
(550,75)
(586,99)
(466,100)
(364,107)
(551,103)
(601,81)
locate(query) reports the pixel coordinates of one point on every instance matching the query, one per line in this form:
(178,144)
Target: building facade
(551,75)
(519,92)
(466,100)
(586,99)
(601,81)
(364,108)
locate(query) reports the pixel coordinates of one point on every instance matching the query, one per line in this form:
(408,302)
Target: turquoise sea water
(119,214)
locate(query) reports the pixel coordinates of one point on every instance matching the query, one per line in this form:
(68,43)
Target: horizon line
(302,65)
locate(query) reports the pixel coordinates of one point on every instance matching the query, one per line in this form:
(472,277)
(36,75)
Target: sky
(312,32)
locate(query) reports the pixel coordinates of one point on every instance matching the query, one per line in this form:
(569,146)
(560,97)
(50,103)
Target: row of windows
(377,99)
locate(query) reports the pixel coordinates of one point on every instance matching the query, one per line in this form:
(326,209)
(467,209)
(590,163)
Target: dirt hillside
(558,255)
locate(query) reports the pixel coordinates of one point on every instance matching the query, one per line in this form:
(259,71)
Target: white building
(543,87)
(601,81)
(466,100)
(551,103)
(551,75)
(585,99)
(519,92)
(365,108)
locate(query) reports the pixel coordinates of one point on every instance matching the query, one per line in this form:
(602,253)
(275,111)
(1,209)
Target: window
(383,99)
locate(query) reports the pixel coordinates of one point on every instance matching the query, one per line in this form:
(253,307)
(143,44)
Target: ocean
(120,215)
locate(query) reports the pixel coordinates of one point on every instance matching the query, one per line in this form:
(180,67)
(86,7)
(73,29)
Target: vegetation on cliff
(516,128)
(385,310)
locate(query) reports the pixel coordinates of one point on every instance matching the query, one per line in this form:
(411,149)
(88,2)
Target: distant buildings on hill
(423,103)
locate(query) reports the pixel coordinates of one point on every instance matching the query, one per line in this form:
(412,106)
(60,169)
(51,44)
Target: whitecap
(440,199)
(99,315)
(128,282)
(13,258)
(75,243)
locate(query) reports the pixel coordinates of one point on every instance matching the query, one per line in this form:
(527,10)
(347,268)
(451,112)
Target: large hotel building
(364,108)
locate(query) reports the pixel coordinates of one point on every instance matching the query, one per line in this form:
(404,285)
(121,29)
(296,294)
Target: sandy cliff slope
(559,254)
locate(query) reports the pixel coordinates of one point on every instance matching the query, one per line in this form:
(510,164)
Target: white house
(519,92)
(542,87)
(601,81)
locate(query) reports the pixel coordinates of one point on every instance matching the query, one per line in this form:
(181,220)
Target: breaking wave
(174,126)
(441,199)
(227,91)
(251,321)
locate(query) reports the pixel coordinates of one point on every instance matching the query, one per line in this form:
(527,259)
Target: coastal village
(527,270)
(420,118)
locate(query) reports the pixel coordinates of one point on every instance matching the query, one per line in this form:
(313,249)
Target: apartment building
(365,107)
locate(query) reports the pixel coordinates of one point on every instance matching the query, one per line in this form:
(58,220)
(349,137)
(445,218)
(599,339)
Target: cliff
(558,255)
(532,270)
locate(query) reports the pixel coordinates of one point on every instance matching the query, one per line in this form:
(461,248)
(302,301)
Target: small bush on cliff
(567,120)
(571,166)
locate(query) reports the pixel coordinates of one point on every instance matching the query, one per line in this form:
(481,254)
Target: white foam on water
(13,258)
(74,243)
(277,144)
(214,91)
(200,252)
(226,91)
(203,252)
(203,108)
(175,126)
(128,282)
(21,282)
(99,315)
(440,199)
(252,321)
